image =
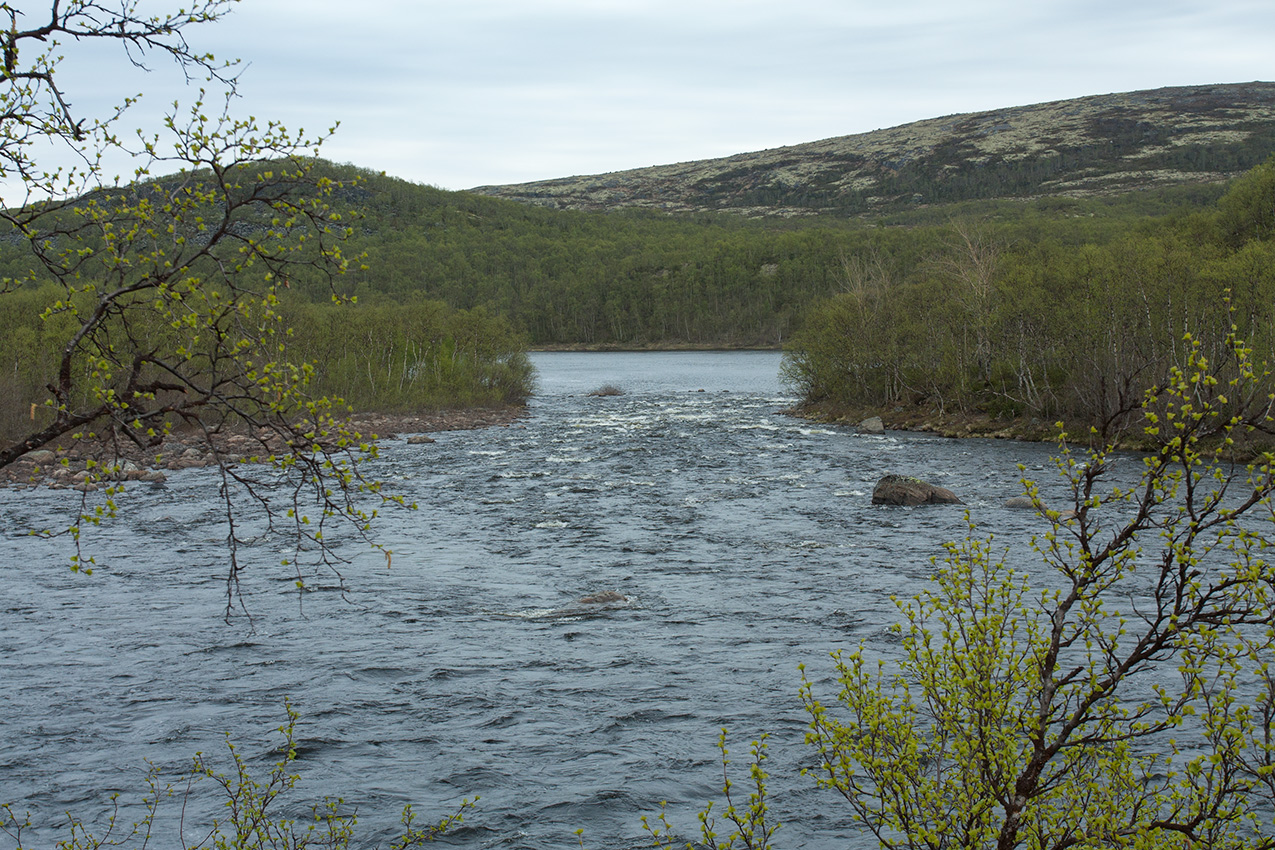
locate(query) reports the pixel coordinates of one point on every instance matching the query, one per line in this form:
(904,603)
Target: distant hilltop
(1104,144)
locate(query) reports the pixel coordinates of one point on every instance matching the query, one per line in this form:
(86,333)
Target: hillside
(1100,145)
(622,273)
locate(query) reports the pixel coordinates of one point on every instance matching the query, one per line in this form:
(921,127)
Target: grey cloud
(461,94)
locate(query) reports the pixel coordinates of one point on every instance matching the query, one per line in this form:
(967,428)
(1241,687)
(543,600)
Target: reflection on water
(743,542)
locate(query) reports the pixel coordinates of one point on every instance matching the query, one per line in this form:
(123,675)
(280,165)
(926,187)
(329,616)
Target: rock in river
(905,490)
(872,425)
(603,598)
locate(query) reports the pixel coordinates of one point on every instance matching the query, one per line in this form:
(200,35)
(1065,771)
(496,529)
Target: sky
(465,93)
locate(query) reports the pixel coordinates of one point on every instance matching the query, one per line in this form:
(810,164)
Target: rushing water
(743,540)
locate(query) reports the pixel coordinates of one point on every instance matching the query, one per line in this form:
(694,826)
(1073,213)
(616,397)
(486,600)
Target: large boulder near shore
(872,425)
(905,490)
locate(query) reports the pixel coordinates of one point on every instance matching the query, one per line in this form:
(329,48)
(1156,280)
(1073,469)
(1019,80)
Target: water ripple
(742,541)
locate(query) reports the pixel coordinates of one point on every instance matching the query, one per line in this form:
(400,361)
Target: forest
(400,357)
(1007,322)
(638,279)
(1039,308)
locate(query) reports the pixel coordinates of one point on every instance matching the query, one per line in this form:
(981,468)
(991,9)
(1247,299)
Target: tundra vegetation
(1102,144)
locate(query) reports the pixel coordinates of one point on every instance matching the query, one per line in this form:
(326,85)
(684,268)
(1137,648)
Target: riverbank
(67,464)
(958,425)
(933,420)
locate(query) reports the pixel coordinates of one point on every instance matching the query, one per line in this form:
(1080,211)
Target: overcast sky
(470,92)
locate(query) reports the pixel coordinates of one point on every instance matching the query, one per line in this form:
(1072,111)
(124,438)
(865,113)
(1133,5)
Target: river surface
(743,540)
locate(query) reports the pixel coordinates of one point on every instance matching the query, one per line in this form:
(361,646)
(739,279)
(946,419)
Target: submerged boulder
(607,390)
(604,598)
(1025,502)
(905,490)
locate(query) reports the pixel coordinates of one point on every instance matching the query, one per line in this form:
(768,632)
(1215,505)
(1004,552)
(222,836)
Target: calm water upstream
(744,540)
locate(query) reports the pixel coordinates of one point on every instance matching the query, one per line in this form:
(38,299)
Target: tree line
(641,279)
(1004,321)
(982,314)
(381,356)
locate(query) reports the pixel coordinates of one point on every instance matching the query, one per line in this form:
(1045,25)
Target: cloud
(490,91)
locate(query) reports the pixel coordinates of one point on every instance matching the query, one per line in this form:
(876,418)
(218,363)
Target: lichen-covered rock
(905,490)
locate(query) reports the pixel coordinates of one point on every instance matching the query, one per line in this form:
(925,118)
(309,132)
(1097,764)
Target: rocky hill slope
(1103,144)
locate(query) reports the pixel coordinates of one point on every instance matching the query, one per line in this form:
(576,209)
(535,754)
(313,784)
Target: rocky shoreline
(67,465)
(929,420)
(958,425)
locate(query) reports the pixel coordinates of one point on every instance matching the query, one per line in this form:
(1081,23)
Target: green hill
(620,273)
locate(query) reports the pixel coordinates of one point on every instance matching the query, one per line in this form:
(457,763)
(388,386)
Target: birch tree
(167,285)
(1120,694)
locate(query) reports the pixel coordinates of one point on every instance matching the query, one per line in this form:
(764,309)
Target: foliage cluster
(130,309)
(419,355)
(156,303)
(1006,323)
(579,279)
(411,355)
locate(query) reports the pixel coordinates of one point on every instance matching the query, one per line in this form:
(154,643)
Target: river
(743,541)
